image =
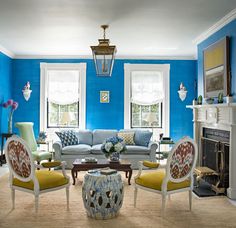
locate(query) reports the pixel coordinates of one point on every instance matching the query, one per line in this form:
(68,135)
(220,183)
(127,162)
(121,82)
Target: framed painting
(104,96)
(216,70)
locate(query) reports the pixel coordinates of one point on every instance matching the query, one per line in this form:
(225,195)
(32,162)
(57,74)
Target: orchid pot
(13,105)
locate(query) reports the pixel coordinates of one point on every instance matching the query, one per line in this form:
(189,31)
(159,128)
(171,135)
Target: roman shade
(146,87)
(63,86)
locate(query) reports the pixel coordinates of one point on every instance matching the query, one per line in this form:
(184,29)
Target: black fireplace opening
(215,155)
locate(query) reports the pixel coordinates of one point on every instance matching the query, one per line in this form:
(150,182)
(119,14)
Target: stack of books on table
(107,171)
(89,160)
(166,140)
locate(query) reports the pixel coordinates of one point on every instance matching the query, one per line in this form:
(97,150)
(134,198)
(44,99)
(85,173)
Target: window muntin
(146,116)
(62,116)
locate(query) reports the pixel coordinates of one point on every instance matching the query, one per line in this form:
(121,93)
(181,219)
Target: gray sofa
(90,143)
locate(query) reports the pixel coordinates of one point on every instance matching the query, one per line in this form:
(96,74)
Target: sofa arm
(57,146)
(152,146)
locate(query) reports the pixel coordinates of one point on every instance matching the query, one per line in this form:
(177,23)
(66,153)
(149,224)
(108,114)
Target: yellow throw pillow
(128,137)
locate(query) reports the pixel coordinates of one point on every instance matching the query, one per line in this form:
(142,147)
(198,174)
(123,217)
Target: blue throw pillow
(142,138)
(67,138)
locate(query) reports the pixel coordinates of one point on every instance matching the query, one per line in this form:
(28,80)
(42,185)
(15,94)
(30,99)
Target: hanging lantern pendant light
(104,55)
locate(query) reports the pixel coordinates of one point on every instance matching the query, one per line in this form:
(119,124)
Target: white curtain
(146,87)
(63,86)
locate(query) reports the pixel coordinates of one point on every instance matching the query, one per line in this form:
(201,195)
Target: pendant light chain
(104,33)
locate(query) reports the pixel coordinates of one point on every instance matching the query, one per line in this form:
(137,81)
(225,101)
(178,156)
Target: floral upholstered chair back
(19,159)
(182,160)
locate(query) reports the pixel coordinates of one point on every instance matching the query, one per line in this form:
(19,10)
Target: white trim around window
(165,69)
(44,67)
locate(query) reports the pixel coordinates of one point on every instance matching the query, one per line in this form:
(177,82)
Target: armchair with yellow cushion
(25,177)
(177,175)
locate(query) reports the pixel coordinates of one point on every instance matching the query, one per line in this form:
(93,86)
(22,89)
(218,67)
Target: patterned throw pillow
(142,138)
(67,138)
(128,137)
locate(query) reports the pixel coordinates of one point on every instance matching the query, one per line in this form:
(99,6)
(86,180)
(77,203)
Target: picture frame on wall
(104,96)
(216,70)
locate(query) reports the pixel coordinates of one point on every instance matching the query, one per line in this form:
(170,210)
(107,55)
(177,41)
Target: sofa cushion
(128,137)
(85,137)
(142,138)
(136,150)
(81,149)
(96,149)
(99,136)
(67,138)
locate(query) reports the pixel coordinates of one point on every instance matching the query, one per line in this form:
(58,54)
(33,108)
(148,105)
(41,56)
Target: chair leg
(38,162)
(163,204)
(190,200)
(67,197)
(135,195)
(36,203)
(13,198)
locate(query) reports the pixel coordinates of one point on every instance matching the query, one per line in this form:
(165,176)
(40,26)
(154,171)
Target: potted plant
(13,105)
(112,147)
(199,100)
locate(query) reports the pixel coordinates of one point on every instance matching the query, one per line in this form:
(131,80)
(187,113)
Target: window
(147,97)
(62,96)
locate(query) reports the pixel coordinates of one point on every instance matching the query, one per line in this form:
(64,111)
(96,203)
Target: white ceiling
(137,27)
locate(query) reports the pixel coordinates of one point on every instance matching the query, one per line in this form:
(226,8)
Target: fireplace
(215,155)
(220,117)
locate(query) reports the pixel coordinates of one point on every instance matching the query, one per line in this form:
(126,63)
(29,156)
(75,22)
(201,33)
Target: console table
(4,136)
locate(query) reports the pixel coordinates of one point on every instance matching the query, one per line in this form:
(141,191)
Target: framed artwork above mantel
(216,69)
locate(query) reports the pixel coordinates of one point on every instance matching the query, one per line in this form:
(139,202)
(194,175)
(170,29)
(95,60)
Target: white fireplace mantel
(222,117)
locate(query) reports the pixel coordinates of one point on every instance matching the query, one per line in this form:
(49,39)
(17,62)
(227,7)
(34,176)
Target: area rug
(207,212)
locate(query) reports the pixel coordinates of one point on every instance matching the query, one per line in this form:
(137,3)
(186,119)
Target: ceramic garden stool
(102,194)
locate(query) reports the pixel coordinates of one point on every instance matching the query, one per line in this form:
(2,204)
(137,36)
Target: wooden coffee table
(122,165)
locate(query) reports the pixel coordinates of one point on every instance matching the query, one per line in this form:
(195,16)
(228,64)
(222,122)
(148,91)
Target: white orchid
(118,147)
(108,146)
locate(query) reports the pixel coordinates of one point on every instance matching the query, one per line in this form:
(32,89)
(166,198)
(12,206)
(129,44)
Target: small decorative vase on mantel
(229,99)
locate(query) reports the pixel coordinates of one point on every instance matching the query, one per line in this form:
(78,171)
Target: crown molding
(117,57)
(145,57)
(53,57)
(7,52)
(216,27)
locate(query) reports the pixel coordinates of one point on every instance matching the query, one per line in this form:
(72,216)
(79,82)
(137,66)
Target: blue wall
(228,30)
(5,88)
(111,115)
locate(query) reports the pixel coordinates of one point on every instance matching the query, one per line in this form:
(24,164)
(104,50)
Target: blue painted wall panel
(111,115)
(228,30)
(5,88)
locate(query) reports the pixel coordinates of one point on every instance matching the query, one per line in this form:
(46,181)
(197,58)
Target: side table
(4,136)
(46,143)
(163,142)
(102,194)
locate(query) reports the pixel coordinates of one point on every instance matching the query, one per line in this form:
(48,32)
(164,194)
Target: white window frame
(44,67)
(165,69)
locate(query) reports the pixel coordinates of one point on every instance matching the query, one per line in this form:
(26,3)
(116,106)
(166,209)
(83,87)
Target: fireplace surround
(222,119)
